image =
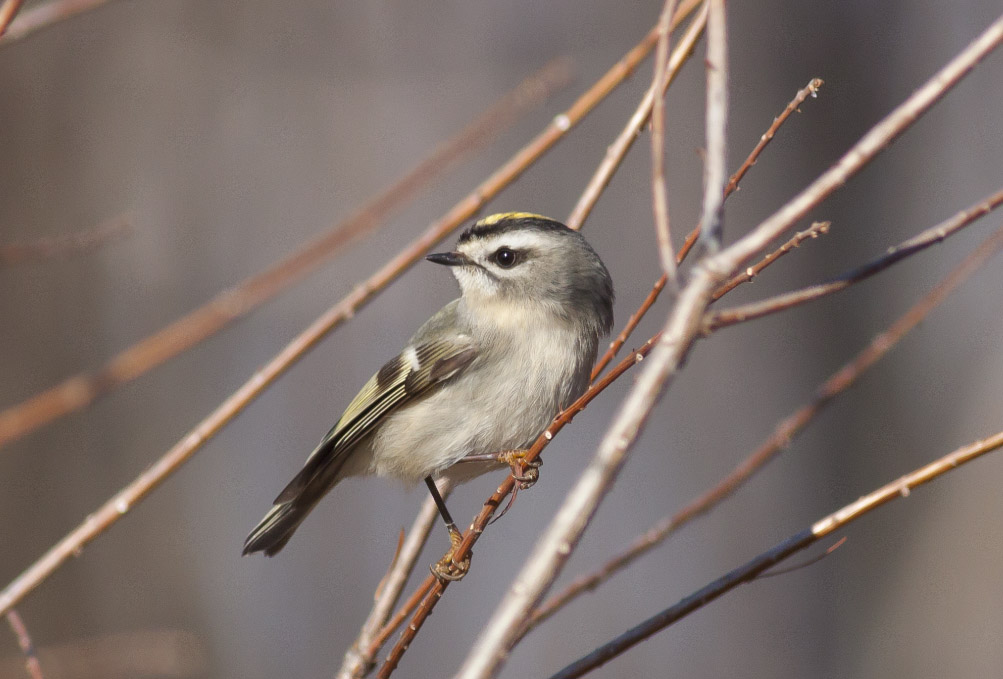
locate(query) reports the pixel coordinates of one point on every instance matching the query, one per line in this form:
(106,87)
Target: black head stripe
(511,221)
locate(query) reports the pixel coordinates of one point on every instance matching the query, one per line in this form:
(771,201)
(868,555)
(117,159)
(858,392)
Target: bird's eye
(505,258)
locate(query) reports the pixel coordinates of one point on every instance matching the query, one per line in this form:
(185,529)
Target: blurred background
(231,132)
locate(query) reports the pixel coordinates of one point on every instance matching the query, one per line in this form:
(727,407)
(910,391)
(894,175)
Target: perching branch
(119,504)
(901,487)
(81,390)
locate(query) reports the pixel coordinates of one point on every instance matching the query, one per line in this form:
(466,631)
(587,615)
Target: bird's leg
(526,473)
(446,568)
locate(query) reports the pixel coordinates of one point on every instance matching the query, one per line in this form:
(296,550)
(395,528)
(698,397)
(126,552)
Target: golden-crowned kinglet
(479,381)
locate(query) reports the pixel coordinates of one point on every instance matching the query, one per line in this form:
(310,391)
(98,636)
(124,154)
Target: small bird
(478,382)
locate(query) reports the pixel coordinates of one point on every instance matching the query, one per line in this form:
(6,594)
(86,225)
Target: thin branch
(432,588)
(717,124)
(782,436)
(120,503)
(65,246)
(8,11)
(82,389)
(901,487)
(680,331)
(935,234)
(618,149)
(24,641)
(659,191)
(360,656)
(44,15)
(814,231)
(691,239)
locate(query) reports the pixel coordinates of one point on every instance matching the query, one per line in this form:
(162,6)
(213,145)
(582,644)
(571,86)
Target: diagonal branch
(79,391)
(120,503)
(935,234)
(44,15)
(8,10)
(899,488)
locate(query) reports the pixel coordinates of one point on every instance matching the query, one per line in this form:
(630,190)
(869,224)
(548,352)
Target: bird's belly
(463,418)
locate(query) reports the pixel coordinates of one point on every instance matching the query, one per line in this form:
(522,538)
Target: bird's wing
(412,373)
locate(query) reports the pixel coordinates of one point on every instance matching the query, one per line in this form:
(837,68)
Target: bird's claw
(446,568)
(526,473)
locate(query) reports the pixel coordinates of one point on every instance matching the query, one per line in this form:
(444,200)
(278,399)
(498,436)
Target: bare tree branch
(935,234)
(717,125)
(79,391)
(660,197)
(44,15)
(618,149)
(750,570)
(20,630)
(8,10)
(67,245)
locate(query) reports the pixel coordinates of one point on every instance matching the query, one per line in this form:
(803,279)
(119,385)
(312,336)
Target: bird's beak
(448,258)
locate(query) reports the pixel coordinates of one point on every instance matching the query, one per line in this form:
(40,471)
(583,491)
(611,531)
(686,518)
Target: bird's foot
(446,568)
(526,473)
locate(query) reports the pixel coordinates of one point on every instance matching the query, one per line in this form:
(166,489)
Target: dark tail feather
(274,531)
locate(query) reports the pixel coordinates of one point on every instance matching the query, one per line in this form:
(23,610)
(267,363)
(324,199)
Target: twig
(781,437)
(691,239)
(359,657)
(120,503)
(660,197)
(935,234)
(82,389)
(717,123)
(24,641)
(433,588)
(8,11)
(814,231)
(749,571)
(44,15)
(809,90)
(67,245)
(618,149)
(680,331)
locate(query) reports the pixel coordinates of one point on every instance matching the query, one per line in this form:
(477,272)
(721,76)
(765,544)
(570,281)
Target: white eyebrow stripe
(517,240)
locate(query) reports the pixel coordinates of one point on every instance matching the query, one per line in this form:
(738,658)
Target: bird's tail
(274,531)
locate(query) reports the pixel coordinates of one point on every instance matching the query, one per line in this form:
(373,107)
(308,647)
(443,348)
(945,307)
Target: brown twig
(24,641)
(44,15)
(8,10)
(659,192)
(935,234)
(120,503)
(691,239)
(814,231)
(618,149)
(749,571)
(434,587)
(716,158)
(360,656)
(809,90)
(680,331)
(781,437)
(82,389)
(68,245)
